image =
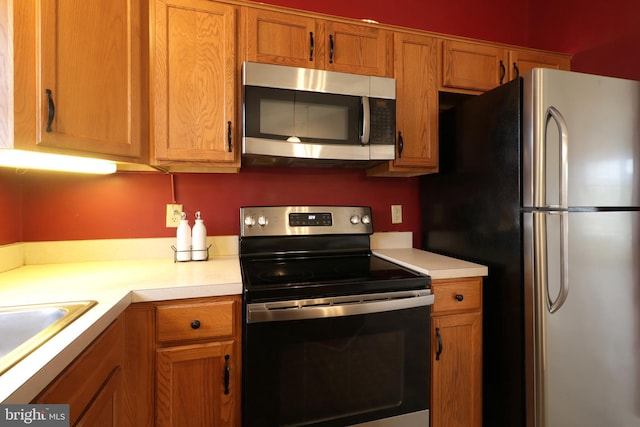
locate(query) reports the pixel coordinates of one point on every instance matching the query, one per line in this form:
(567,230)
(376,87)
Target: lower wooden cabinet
(456,359)
(184,362)
(198,362)
(193,385)
(93,384)
(415,62)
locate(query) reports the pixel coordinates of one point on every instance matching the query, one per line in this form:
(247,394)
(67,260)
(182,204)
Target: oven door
(338,361)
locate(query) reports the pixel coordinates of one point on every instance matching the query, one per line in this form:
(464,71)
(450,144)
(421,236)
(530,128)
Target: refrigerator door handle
(540,248)
(553,113)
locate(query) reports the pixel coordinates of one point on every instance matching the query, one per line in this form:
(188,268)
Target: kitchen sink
(25,328)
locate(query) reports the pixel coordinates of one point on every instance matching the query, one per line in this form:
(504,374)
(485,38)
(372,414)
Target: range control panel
(304,220)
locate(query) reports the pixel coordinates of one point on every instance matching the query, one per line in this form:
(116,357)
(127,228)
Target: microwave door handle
(366,121)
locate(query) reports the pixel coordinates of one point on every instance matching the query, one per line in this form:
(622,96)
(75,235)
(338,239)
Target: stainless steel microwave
(298,116)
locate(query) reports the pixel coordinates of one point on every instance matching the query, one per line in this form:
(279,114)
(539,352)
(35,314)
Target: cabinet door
(472,66)
(191,388)
(359,49)
(456,394)
(92,384)
(417,101)
(90,74)
(522,61)
(282,38)
(106,409)
(194,82)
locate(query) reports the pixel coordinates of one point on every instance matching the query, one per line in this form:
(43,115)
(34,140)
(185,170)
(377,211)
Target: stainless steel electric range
(333,335)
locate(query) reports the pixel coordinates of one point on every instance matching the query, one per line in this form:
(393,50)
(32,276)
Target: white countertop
(115,284)
(436,266)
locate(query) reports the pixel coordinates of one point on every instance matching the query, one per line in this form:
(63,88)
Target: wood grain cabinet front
(80,77)
(472,66)
(415,60)
(93,384)
(475,67)
(198,362)
(193,81)
(456,359)
(304,40)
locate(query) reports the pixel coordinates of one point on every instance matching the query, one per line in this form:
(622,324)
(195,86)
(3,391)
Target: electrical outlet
(396,214)
(174,215)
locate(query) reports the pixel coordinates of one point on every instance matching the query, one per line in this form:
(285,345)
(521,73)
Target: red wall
(123,205)
(495,20)
(603,37)
(10,207)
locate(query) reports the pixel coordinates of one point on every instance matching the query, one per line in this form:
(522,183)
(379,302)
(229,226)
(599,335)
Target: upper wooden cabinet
(194,97)
(282,38)
(302,40)
(472,67)
(79,76)
(415,61)
(522,61)
(360,49)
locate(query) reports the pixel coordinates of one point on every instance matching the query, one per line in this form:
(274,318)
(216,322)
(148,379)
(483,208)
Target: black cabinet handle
(311,46)
(195,324)
(331,48)
(52,110)
(459,297)
(439,338)
(503,72)
(400,144)
(229,140)
(227,374)
(516,69)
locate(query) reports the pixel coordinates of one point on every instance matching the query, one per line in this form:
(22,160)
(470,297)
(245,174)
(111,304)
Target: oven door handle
(337,306)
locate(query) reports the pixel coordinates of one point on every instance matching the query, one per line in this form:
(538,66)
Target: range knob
(355,219)
(366,219)
(249,221)
(262,221)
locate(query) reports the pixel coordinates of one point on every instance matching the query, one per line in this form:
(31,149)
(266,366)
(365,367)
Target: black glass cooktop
(268,279)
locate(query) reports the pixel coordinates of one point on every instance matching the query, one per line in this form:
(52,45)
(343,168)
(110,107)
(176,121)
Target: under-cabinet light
(55,162)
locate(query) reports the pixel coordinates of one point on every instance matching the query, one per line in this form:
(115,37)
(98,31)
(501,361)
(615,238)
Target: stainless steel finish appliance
(299,116)
(540,180)
(333,335)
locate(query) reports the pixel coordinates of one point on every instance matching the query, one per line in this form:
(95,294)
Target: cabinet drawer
(195,321)
(457,295)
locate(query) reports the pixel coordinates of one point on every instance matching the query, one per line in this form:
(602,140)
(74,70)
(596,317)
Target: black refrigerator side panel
(471,210)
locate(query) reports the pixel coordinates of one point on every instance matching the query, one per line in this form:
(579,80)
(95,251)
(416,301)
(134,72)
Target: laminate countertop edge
(435,265)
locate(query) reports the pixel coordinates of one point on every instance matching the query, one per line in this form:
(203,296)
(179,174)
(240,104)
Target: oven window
(342,377)
(336,371)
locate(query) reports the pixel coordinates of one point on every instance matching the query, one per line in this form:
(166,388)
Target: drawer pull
(195,324)
(459,297)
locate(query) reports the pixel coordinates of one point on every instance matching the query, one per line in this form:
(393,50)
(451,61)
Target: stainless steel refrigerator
(540,180)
